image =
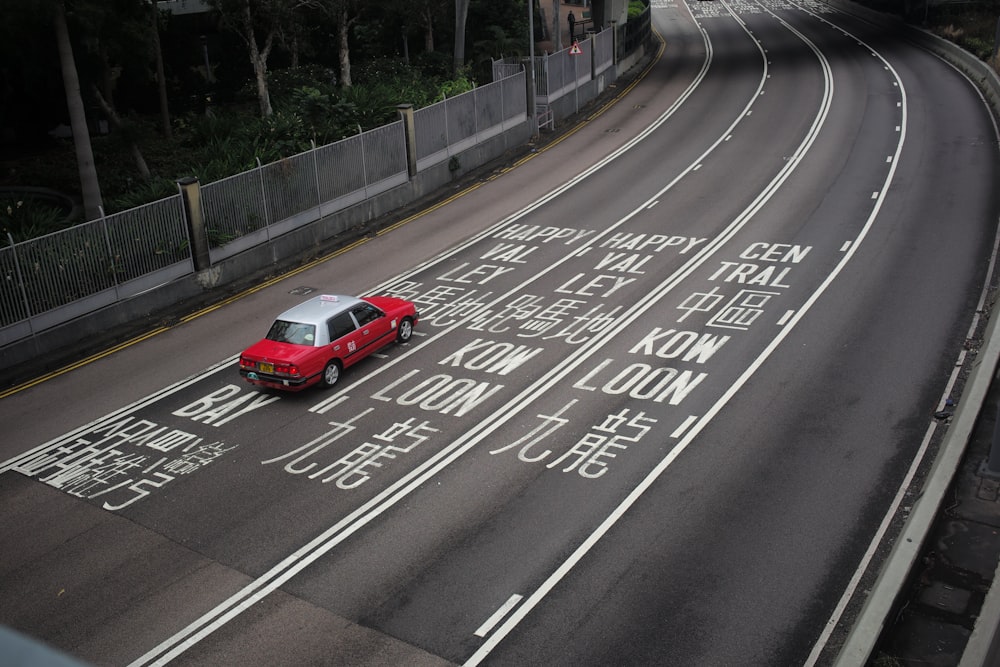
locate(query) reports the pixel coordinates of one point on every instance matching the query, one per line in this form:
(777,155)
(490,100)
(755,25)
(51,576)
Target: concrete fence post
(409,131)
(195,218)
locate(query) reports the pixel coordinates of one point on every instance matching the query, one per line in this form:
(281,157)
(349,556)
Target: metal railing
(50,280)
(108,259)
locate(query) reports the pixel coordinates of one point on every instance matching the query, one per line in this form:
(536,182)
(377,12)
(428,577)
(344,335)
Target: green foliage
(457,86)
(113,43)
(25,216)
(142,193)
(636,8)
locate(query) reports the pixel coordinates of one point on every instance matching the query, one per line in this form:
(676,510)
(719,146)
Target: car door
(373,328)
(344,342)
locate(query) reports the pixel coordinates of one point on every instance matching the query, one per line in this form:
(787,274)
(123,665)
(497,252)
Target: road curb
(893,578)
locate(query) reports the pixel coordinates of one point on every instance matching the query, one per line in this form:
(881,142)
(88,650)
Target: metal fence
(563,72)
(253,207)
(102,261)
(457,123)
(634,33)
(52,279)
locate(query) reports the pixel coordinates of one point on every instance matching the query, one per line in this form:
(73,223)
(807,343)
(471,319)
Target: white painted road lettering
(478,276)
(439,393)
(747,273)
(750,273)
(509,252)
(623,262)
(115,456)
(490,356)
(518,232)
(602,285)
(210,408)
(742,310)
(642,382)
(356,468)
(588,456)
(671,344)
(340,429)
(784,253)
(550,423)
(656,242)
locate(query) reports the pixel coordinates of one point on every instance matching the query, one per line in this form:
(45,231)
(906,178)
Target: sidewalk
(553,43)
(944,599)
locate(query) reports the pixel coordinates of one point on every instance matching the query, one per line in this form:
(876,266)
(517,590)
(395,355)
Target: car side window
(366,313)
(340,326)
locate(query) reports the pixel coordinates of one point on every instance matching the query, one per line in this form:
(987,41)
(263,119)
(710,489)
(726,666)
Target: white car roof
(319,308)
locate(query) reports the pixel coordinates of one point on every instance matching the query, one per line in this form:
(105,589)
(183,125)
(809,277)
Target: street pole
(531,68)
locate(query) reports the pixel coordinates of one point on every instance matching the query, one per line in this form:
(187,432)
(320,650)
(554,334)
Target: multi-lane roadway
(674,382)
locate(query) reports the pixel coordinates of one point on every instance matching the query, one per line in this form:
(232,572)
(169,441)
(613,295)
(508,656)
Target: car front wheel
(331,373)
(405,331)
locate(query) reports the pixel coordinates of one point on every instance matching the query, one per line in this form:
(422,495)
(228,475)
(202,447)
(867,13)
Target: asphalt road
(672,376)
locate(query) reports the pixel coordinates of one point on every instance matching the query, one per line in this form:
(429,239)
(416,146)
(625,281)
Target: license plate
(266,368)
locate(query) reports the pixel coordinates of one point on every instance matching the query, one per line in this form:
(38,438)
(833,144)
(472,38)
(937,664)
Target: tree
(161,79)
(344,14)
(258,23)
(90,188)
(461,15)
(116,34)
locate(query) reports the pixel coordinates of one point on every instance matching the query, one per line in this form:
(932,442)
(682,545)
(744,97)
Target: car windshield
(292,332)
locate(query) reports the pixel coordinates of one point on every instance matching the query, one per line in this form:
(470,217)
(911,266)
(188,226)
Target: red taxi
(317,339)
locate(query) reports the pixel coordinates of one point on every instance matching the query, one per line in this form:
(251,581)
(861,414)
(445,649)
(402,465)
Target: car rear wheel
(331,373)
(405,331)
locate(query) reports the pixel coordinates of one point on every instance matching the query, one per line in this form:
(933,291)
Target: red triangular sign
(575,50)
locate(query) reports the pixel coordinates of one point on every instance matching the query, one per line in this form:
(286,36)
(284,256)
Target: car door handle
(365,332)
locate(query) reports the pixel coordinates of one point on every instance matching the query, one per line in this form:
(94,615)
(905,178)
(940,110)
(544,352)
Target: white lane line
(498,615)
(679,431)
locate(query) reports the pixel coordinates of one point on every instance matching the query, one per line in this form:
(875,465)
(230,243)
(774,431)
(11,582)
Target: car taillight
(247,363)
(286,369)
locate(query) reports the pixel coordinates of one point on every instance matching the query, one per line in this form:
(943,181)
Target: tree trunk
(294,48)
(161,79)
(140,161)
(343,30)
(89,186)
(258,58)
(428,30)
(461,14)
